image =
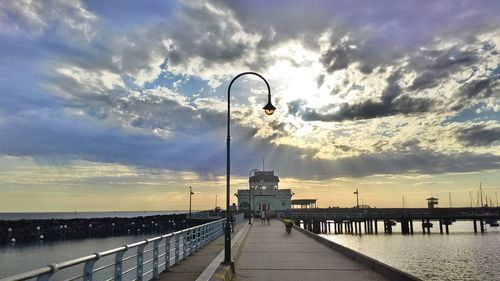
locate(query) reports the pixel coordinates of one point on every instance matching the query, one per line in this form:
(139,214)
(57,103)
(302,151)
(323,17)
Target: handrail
(183,243)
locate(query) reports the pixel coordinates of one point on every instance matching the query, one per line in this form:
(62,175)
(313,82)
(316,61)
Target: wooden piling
(405,229)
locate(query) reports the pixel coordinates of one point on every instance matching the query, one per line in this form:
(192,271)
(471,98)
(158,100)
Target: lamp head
(269,108)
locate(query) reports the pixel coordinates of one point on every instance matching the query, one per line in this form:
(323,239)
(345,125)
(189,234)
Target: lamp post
(250,205)
(269,110)
(190,195)
(357,198)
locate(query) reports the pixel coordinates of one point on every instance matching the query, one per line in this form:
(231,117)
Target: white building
(263,194)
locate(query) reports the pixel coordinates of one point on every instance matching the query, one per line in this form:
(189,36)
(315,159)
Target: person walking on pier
(263,217)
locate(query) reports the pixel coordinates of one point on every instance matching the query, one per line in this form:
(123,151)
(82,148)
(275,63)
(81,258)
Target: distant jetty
(33,230)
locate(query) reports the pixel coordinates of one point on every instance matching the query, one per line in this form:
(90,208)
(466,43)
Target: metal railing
(161,253)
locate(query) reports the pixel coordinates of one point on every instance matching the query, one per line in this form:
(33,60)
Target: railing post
(191,241)
(119,264)
(177,250)
(211,231)
(156,253)
(140,261)
(194,239)
(88,268)
(184,243)
(47,276)
(203,235)
(167,252)
(200,237)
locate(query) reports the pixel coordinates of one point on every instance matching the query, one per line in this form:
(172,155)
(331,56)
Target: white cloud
(123,79)
(98,81)
(70,17)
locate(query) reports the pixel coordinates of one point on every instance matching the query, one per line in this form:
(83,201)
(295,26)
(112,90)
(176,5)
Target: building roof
(264,176)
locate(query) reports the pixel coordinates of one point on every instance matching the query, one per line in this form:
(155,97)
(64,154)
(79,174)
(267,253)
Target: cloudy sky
(121,105)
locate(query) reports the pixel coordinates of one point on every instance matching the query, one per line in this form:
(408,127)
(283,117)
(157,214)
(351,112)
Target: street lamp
(250,205)
(190,195)
(269,110)
(357,198)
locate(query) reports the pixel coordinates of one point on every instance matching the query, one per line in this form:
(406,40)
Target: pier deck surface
(269,253)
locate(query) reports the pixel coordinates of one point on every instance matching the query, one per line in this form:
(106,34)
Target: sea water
(460,255)
(20,258)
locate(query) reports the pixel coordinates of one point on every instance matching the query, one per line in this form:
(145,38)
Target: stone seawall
(25,231)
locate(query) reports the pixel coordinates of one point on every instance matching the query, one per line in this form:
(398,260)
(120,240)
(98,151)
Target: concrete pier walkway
(268,253)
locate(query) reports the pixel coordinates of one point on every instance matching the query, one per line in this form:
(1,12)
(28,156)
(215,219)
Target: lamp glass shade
(269,108)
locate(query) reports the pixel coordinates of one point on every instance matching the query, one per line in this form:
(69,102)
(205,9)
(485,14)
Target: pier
(260,252)
(365,220)
(269,253)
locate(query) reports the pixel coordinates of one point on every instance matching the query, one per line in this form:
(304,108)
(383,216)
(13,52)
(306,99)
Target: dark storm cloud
(370,109)
(482,88)
(478,135)
(433,66)
(54,140)
(200,32)
(337,58)
(294,107)
(293,162)
(475,90)
(320,80)
(392,102)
